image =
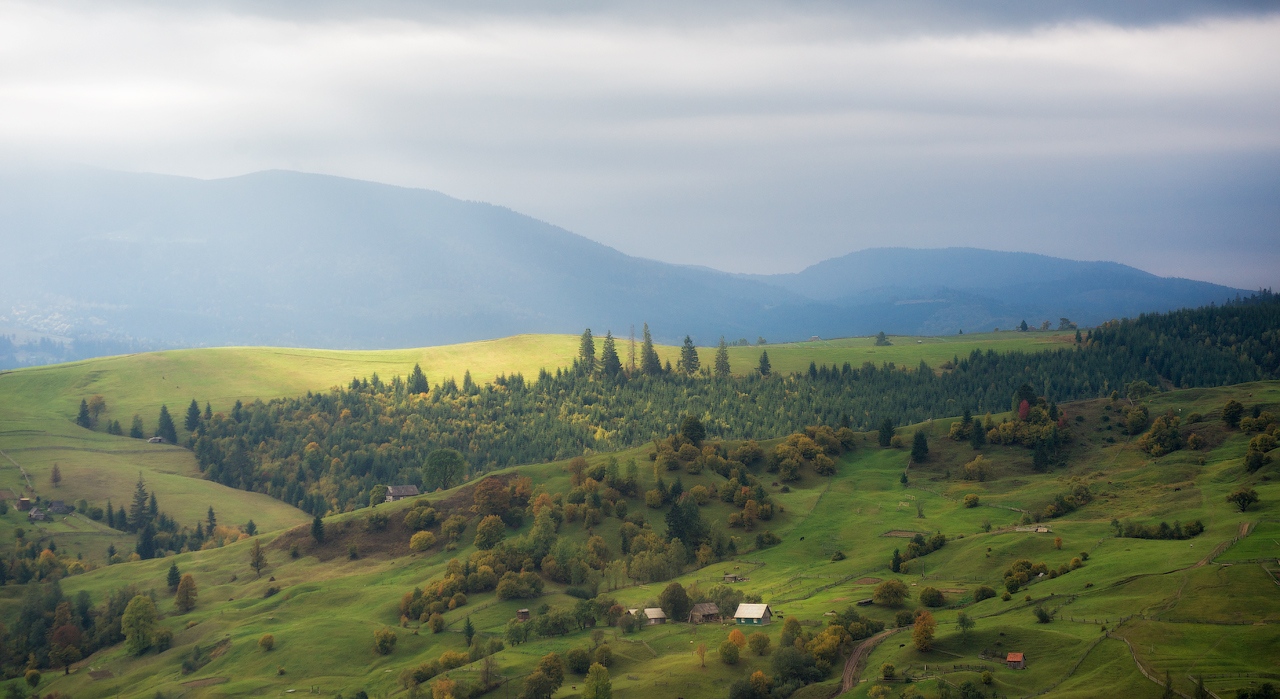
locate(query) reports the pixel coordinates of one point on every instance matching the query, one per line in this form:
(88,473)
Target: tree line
(328,451)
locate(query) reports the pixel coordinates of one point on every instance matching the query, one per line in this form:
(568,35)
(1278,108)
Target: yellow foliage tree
(737,638)
(922,634)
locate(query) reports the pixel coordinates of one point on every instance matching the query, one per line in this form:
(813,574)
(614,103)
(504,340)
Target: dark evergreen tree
(135,429)
(919,447)
(175,577)
(692,429)
(587,352)
(722,360)
(317,529)
(192,423)
(886,432)
(211,518)
(765,369)
(146,546)
(83,419)
(688,364)
(650,365)
(978,435)
(417,381)
(610,364)
(165,428)
(139,513)
(208,411)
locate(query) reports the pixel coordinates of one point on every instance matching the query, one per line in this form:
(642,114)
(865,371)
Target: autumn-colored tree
(55,476)
(922,633)
(267,642)
(737,638)
(701,652)
(492,497)
(185,599)
(443,688)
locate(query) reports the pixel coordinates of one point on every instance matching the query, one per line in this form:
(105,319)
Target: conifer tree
(919,447)
(212,519)
(765,368)
(468,630)
(317,529)
(208,411)
(418,381)
(610,364)
(257,559)
(587,353)
(722,360)
(650,365)
(175,577)
(886,432)
(55,476)
(135,429)
(165,428)
(688,363)
(138,510)
(977,435)
(192,423)
(82,419)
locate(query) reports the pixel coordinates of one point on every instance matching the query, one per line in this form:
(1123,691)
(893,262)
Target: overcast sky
(750,137)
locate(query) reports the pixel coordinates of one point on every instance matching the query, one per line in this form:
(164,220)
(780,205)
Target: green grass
(1212,619)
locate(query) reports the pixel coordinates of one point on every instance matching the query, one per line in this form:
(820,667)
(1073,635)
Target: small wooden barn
(1016,661)
(753,614)
(400,492)
(522,615)
(655,615)
(704,612)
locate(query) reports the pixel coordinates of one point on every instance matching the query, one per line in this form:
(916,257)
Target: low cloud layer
(751,138)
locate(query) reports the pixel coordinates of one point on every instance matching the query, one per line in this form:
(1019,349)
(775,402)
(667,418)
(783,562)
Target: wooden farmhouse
(704,612)
(753,614)
(400,492)
(655,615)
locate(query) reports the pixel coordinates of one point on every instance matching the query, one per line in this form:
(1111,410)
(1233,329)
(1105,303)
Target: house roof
(401,491)
(705,608)
(1014,658)
(751,611)
(655,613)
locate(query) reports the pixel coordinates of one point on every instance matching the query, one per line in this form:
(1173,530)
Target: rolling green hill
(1205,606)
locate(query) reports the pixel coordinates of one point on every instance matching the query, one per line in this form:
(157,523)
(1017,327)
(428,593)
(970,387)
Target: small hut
(522,615)
(1016,661)
(400,492)
(654,616)
(733,578)
(704,612)
(36,515)
(753,614)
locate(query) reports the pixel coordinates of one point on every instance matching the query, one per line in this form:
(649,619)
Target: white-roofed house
(655,615)
(754,614)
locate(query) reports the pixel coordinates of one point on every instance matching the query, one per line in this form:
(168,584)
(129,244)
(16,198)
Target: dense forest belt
(327,451)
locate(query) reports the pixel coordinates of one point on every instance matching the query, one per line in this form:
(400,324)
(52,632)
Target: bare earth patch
(867,581)
(900,533)
(101,674)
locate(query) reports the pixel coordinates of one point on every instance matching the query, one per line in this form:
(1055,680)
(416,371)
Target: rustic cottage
(1016,661)
(754,614)
(655,616)
(704,612)
(400,492)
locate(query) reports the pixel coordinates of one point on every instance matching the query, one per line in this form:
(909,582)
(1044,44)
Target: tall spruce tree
(192,423)
(886,432)
(165,428)
(722,360)
(175,577)
(610,364)
(417,381)
(977,434)
(135,428)
(765,367)
(587,352)
(688,363)
(83,419)
(139,513)
(650,365)
(919,447)
(208,411)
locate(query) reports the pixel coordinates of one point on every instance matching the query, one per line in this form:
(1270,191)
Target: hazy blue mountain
(126,261)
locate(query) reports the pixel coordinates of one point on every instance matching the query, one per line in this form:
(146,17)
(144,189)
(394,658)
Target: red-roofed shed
(1016,661)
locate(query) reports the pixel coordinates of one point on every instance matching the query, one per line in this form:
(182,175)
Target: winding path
(853,666)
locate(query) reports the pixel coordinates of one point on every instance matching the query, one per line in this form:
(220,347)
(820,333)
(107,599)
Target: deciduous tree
(138,623)
(922,632)
(187,594)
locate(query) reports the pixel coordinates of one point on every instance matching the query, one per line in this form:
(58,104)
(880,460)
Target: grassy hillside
(1204,606)
(38,407)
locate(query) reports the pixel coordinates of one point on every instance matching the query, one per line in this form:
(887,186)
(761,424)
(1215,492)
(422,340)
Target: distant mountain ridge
(287,258)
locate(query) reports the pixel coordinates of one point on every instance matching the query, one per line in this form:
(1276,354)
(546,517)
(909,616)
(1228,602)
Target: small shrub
(267,642)
(729,653)
(932,597)
(384,641)
(987,678)
(1042,615)
(983,592)
(971,500)
(293,552)
(421,541)
(888,671)
(162,640)
(1006,597)
(837,556)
